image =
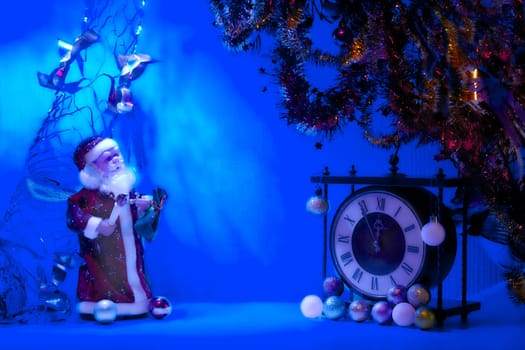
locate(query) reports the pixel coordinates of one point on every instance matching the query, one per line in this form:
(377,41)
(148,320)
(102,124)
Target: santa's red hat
(86,153)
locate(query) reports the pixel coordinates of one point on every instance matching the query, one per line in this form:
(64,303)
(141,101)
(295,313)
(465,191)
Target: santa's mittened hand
(159,197)
(105,228)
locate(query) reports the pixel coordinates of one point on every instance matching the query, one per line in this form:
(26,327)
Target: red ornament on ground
(160,307)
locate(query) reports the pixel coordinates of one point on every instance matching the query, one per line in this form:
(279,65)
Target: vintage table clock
(375,242)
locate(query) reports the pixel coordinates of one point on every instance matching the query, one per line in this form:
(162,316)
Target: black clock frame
(394,179)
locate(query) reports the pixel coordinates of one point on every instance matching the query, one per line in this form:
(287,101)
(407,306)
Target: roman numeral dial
(376,242)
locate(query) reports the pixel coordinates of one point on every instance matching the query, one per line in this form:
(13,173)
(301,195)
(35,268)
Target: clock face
(376,242)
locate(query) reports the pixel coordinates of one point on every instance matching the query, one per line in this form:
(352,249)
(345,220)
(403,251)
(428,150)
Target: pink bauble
(403,314)
(160,307)
(312,306)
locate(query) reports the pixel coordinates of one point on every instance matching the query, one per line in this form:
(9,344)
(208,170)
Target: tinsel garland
(449,72)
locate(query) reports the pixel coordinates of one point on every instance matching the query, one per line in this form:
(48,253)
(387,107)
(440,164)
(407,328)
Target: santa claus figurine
(103,213)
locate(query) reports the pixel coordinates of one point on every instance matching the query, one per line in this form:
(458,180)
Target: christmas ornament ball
(382,312)
(312,306)
(317,205)
(359,310)
(105,311)
(424,318)
(403,314)
(333,286)
(54,299)
(397,294)
(418,295)
(159,307)
(334,307)
(433,233)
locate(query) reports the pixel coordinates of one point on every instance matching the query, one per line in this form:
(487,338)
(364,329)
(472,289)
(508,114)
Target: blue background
(235,226)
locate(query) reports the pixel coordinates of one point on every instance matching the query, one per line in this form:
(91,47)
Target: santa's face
(110,162)
(115,177)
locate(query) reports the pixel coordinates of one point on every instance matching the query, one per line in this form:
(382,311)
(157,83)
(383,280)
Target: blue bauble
(105,311)
(334,307)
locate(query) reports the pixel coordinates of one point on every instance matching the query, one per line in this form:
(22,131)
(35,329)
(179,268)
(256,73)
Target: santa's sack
(147,225)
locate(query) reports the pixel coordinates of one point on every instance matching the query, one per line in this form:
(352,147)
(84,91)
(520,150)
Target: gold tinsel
(355,53)
(296,17)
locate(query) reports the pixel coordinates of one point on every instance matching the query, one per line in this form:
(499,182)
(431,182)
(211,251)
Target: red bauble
(160,307)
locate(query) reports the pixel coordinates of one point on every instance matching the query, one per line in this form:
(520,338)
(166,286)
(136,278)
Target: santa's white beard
(118,183)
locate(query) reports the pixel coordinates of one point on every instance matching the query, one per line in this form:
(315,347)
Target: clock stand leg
(439,253)
(465,307)
(326,172)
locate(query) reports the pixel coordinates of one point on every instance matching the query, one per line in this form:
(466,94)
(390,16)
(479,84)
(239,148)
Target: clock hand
(374,239)
(379,227)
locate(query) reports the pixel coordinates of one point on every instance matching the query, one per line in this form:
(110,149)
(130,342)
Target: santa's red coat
(104,275)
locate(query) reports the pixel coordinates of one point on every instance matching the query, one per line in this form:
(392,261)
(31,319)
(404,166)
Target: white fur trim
(89,178)
(91,228)
(123,309)
(130,251)
(99,148)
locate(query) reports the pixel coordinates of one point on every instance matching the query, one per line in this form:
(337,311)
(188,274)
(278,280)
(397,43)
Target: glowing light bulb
(475,79)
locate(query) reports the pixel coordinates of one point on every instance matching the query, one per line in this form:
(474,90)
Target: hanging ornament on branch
(131,68)
(70,53)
